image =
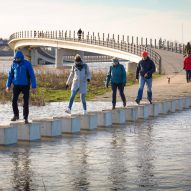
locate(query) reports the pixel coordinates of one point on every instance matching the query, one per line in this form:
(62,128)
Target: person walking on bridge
(145,69)
(117,77)
(187,49)
(21,75)
(187,66)
(79,33)
(80,74)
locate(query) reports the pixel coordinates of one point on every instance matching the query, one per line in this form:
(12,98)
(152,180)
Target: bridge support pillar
(131,67)
(34,57)
(60,53)
(59,57)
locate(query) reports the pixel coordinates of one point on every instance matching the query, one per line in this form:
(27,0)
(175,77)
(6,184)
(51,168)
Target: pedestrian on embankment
(21,75)
(79,75)
(145,69)
(117,77)
(187,66)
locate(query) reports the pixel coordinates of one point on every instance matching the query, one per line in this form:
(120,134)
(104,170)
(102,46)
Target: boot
(137,101)
(15,118)
(26,121)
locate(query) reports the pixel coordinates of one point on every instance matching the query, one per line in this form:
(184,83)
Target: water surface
(146,155)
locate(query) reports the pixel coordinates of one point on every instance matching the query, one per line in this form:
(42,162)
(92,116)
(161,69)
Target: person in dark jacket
(187,49)
(21,75)
(117,77)
(145,69)
(79,33)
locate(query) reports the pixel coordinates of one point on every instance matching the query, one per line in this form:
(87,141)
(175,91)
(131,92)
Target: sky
(166,19)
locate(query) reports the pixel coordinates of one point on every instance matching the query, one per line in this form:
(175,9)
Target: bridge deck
(171,61)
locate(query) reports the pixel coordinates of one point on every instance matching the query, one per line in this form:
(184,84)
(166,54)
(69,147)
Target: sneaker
(113,107)
(15,118)
(68,111)
(137,101)
(85,112)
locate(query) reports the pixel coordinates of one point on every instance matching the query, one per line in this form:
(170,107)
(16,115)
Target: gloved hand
(88,80)
(107,85)
(124,84)
(66,86)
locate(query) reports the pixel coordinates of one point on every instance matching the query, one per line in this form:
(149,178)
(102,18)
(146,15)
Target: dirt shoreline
(178,87)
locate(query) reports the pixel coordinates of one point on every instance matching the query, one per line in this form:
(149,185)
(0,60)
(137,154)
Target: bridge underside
(65,48)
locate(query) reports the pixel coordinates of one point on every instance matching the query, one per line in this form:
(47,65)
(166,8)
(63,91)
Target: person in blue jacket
(21,75)
(117,77)
(145,69)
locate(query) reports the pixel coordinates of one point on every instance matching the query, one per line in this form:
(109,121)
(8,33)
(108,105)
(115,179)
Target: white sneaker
(68,110)
(85,112)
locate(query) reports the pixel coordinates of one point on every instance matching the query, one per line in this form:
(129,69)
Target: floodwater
(54,109)
(147,155)
(5,63)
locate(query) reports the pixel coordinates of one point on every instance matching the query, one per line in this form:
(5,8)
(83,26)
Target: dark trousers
(121,92)
(25,91)
(188,75)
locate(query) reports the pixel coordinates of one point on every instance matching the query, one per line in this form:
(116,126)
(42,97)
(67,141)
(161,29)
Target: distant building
(5,50)
(3,42)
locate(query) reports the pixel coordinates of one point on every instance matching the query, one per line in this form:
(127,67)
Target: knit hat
(144,54)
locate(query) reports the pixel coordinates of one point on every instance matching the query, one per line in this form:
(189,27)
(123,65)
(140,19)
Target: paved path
(172,64)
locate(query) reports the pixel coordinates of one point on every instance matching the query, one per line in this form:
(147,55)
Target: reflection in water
(118,162)
(145,156)
(80,179)
(22,172)
(142,156)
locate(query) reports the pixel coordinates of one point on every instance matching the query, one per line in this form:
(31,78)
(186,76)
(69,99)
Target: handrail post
(146,42)
(132,40)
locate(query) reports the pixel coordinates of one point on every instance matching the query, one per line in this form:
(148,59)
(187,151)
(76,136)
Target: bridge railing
(132,45)
(68,35)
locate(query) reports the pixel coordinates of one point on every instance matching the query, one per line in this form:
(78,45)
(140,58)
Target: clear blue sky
(145,18)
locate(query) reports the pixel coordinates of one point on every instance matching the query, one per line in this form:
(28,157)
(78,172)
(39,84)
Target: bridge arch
(109,47)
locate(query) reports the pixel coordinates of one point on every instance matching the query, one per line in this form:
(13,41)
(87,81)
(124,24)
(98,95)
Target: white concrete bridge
(67,43)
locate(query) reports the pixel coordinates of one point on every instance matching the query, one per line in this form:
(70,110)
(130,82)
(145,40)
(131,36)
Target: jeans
(142,82)
(82,97)
(25,91)
(121,92)
(188,75)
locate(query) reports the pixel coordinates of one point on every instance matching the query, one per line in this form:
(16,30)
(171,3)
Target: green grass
(51,88)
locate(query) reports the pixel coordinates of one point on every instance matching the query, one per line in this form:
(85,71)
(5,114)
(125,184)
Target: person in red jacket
(187,66)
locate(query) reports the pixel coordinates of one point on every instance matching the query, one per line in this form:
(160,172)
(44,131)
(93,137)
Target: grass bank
(51,87)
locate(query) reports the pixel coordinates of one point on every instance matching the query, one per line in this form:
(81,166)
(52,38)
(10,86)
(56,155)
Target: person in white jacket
(79,75)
